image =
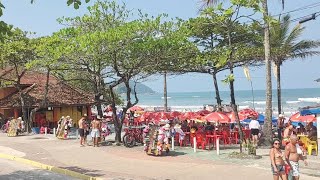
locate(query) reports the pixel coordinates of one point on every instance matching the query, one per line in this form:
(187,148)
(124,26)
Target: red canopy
(146,116)
(162,116)
(232,116)
(299,118)
(136,108)
(204,112)
(217,117)
(246,113)
(175,114)
(189,115)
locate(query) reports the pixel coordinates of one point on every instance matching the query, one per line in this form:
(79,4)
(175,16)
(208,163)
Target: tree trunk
(267,129)
(235,108)
(118,130)
(216,87)
(25,113)
(165,92)
(279,88)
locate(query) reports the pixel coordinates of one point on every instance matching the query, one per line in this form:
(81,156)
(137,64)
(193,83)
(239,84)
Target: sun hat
(177,126)
(19,118)
(281,116)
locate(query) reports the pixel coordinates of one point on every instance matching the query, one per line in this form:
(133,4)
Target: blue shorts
(95,133)
(280,169)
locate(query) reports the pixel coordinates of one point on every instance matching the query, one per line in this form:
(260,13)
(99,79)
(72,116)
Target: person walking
(293,153)
(254,127)
(277,162)
(81,124)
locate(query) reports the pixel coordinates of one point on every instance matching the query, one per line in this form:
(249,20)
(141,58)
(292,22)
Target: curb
(48,167)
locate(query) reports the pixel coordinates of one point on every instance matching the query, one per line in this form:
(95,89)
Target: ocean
(292,99)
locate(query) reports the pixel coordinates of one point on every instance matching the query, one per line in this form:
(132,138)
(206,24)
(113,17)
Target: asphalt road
(11,170)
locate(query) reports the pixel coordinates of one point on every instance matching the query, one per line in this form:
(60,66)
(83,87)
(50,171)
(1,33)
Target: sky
(41,17)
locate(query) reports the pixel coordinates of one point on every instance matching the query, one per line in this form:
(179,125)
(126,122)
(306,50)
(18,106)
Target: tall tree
(15,52)
(286,45)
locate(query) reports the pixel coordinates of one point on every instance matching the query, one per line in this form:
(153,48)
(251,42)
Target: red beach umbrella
(232,116)
(297,117)
(162,116)
(146,116)
(189,115)
(248,113)
(204,112)
(136,108)
(217,117)
(175,114)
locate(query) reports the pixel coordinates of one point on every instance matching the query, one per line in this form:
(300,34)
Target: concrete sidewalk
(113,162)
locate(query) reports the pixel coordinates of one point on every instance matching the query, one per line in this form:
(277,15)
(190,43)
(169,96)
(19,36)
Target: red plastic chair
(201,141)
(226,137)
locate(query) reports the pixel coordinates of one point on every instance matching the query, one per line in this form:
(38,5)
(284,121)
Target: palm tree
(285,46)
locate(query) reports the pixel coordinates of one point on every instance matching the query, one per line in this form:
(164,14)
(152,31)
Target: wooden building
(62,99)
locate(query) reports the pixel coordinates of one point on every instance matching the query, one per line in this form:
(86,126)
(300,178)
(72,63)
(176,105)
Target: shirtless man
(95,132)
(293,154)
(81,124)
(286,134)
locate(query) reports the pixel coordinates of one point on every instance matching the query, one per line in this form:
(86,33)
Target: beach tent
(310,111)
(261,119)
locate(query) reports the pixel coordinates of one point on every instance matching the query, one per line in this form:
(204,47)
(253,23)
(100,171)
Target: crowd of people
(286,165)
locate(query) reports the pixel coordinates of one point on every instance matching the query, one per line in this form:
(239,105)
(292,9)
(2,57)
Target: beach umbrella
(204,112)
(189,115)
(246,113)
(136,108)
(217,117)
(162,116)
(146,116)
(232,117)
(175,114)
(297,117)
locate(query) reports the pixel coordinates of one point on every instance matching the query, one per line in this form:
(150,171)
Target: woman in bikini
(277,162)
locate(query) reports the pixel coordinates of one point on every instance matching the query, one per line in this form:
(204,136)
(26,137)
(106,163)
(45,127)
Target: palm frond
(294,35)
(304,55)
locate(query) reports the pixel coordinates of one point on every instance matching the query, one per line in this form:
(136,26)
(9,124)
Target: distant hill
(140,88)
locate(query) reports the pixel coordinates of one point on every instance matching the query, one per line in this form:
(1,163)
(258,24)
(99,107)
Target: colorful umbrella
(297,117)
(162,116)
(217,117)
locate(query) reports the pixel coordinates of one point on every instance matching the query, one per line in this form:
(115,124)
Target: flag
(246,72)
(274,67)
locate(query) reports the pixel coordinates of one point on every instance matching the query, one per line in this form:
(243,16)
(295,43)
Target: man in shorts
(81,124)
(280,123)
(293,154)
(95,132)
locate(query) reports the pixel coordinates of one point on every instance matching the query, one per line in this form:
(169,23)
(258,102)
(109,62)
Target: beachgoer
(178,130)
(209,126)
(81,124)
(86,129)
(293,153)
(95,132)
(286,134)
(254,127)
(312,134)
(277,162)
(280,125)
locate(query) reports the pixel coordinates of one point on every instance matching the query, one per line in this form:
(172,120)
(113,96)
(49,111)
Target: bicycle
(132,136)
(4,128)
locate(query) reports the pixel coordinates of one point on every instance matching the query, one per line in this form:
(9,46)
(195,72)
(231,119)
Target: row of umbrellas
(205,115)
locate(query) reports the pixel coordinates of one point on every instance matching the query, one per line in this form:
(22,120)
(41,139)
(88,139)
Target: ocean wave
(167,97)
(195,96)
(255,102)
(292,102)
(315,99)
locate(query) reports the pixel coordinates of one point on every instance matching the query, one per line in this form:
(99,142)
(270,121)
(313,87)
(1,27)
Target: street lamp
(312,17)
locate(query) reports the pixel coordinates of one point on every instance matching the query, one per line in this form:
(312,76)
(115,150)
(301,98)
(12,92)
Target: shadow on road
(33,174)
(88,172)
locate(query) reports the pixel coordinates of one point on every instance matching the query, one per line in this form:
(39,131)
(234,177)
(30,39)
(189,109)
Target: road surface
(12,170)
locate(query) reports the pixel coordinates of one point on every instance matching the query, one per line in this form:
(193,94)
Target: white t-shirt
(254,124)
